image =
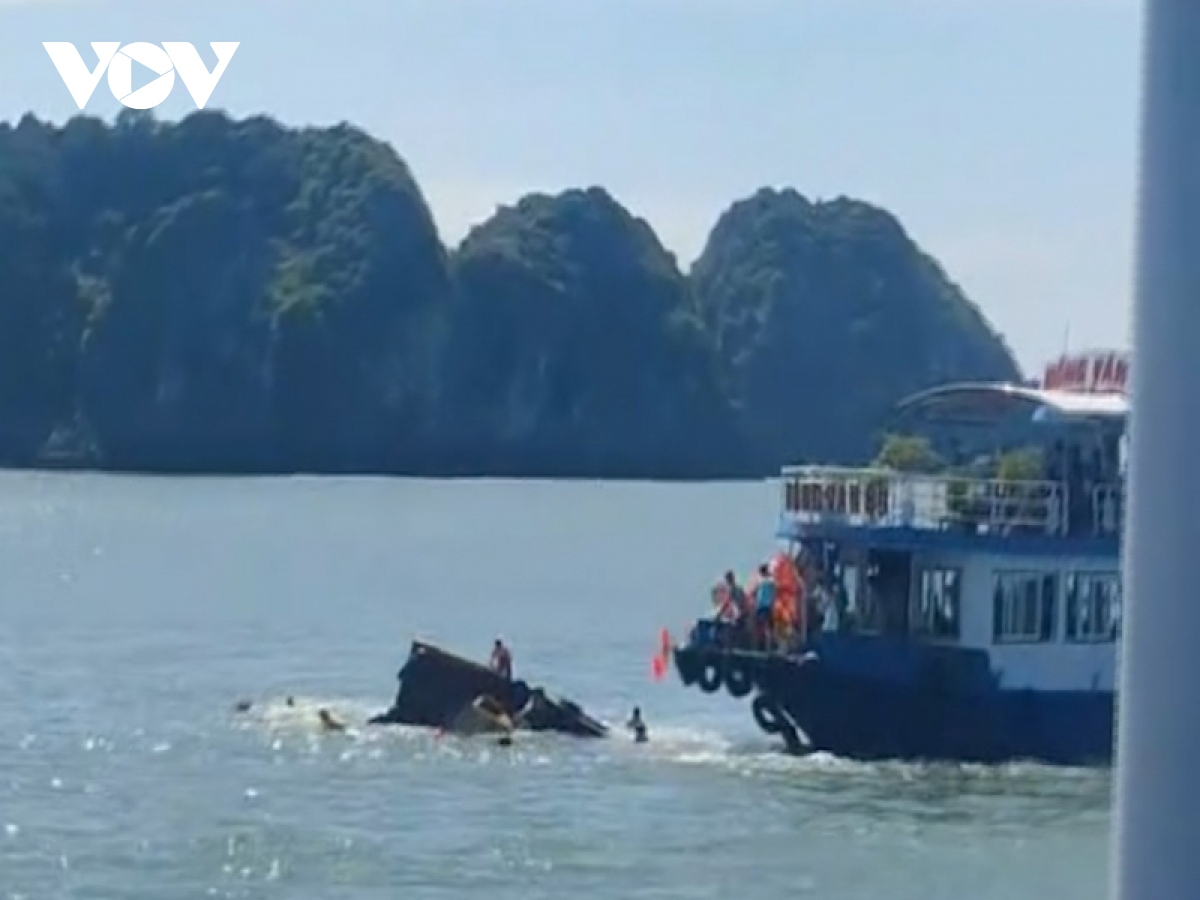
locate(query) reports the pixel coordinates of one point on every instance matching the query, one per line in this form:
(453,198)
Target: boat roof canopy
(984,403)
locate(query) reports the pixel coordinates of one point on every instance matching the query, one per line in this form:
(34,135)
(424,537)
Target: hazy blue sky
(1001,132)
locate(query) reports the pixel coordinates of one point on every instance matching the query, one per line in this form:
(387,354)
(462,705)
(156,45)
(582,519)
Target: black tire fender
(767,715)
(710,678)
(738,681)
(686,666)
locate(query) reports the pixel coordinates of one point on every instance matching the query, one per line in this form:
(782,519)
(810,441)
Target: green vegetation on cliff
(575,346)
(827,314)
(220,295)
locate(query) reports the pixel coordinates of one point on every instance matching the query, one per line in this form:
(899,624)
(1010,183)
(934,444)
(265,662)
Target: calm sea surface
(135,612)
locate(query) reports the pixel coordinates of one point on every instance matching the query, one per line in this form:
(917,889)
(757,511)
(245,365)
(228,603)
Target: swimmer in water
(330,722)
(638,726)
(243,706)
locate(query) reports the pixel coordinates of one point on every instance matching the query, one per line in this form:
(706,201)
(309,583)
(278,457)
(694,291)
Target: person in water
(501,660)
(638,726)
(330,722)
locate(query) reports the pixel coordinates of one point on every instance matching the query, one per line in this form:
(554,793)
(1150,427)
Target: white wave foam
(300,714)
(671,743)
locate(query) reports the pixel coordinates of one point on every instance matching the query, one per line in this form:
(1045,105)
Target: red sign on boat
(1094,372)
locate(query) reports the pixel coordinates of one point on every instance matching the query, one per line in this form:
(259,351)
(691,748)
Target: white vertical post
(1157,828)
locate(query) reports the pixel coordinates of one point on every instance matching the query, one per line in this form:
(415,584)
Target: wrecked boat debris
(439,689)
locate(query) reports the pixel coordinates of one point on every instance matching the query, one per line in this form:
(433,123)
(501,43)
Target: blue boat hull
(870,699)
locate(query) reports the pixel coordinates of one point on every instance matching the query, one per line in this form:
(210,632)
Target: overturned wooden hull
(439,689)
(482,717)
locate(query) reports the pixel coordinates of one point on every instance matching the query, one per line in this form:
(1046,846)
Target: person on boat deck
(746,605)
(739,609)
(720,602)
(781,621)
(731,600)
(827,603)
(724,614)
(638,726)
(501,660)
(737,595)
(764,603)
(789,590)
(822,609)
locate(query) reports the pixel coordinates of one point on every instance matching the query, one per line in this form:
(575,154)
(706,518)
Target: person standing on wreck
(501,660)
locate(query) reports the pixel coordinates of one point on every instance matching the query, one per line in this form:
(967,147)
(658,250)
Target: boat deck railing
(883,498)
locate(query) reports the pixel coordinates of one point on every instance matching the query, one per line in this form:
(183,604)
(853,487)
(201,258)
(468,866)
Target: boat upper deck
(872,498)
(1074,421)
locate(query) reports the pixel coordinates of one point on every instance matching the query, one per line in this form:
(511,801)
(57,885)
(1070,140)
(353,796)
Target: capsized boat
(483,716)
(439,689)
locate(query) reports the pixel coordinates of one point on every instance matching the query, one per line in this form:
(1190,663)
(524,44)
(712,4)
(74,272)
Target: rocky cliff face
(577,347)
(826,315)
(236,296)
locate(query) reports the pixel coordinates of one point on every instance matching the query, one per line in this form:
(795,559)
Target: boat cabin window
(1023,607)
(936,604)
(1093,607)
(889,575)
(874,594)
(861,610)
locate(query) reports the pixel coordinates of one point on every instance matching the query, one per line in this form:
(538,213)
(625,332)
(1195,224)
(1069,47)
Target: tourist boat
(978,617)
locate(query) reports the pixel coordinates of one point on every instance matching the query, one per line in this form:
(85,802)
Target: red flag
(658,668)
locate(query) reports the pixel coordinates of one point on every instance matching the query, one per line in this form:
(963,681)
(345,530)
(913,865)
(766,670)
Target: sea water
(135,613)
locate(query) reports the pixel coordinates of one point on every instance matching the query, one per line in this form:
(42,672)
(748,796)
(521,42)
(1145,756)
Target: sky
(1001,133)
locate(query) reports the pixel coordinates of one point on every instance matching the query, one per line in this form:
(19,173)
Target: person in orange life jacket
(764,602)
(501,660)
